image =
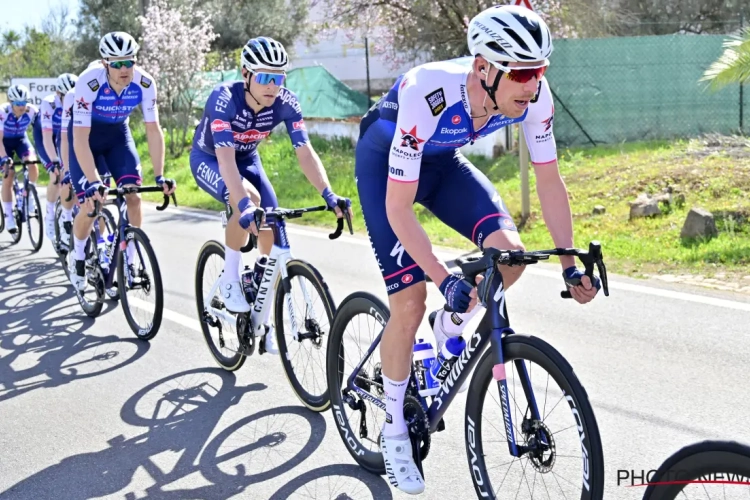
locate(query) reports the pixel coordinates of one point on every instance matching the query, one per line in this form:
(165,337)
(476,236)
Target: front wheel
(304,359)
(139,276)
(699,464)
(562,451)
(16,237)
(34,218)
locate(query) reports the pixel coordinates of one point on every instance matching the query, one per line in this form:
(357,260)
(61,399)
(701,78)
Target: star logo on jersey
(548,123)
(82,104)
(410,139)
(47,116)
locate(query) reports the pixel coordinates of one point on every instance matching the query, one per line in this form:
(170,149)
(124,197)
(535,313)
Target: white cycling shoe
(436,323)
(78,275)
(234,297)
(270,342)
(400,468)
(49,226)
(10,224)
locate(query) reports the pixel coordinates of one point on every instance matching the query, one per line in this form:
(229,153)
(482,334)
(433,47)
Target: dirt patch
(734,146)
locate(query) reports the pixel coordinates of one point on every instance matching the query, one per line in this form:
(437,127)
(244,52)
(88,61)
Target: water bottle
(260,268)
(248,285)
(101,248)
(425,356)
(446,357)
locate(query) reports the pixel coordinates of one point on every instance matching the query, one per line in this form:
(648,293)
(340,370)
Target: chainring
(416,421)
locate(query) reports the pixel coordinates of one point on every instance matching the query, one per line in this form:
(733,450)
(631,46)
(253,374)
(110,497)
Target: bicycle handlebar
(491,258)
(6,169)
(121,191)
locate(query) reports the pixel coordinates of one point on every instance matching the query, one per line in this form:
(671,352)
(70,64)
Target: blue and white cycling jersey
(229,122)
(50,112)
(427,113)
(15,127)
(96,102)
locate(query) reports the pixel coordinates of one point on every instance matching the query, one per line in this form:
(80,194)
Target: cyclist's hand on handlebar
(247,215)
(93,193)
(459,294)
(169,185)
(332,200)
(51,166)
(580,285)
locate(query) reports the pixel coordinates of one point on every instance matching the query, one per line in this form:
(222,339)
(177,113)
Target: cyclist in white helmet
(409,152)
(15,117)
(105,96)
(225,161)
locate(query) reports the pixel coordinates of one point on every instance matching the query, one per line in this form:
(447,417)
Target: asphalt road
(88,411)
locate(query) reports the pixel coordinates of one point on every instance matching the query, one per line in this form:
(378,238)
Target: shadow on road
(339,482)
(42,337)
(181,413)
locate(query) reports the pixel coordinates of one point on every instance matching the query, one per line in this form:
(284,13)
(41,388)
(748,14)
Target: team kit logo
(409,139)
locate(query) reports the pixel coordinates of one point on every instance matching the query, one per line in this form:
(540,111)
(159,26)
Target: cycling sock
(67,214)
(394,407)
(50,209)
(232,259)
(8,208)
(79,248)
(132,254)
(454,323)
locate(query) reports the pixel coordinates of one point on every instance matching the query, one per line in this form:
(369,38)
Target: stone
(644,206)
(598,210)
(699,223)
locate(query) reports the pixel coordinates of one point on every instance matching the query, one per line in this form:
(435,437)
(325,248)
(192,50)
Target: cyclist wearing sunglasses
(105,96)
(46,133)
(15,118)
(409,152)
(225,161)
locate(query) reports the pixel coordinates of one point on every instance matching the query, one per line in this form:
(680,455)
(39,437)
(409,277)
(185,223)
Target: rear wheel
(304,359)
(220,335)
(92,298)
(16,237)
(34,218)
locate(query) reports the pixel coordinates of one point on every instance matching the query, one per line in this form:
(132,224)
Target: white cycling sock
(79,248)
(232,259)
(8,208)
(394,407)
(131,253)
(67,214)
(50,209)
(454,323)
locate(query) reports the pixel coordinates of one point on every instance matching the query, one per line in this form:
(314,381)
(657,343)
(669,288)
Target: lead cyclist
(409,152)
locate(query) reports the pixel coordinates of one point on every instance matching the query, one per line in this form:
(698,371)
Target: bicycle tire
(36,245)
(695,461)
(228,363)
(296,267)
(143,333)
(353,305)
(2,218)
(92,310)
(547,357)
(113,293)
(16,237)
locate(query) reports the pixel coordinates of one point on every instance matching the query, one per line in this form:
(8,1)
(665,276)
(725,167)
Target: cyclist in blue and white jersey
(15,118)
(225,161)
(46,133)
(105,97)
(409,152)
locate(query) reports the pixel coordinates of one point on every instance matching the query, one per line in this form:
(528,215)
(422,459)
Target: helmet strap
(247,87)
(491,90)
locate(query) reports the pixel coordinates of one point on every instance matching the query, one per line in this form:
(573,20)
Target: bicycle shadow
(181,413)
(338,481)
(44,345)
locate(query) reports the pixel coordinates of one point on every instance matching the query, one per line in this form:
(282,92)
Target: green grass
(714,177)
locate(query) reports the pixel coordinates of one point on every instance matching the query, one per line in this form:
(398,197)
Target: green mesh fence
(639,88)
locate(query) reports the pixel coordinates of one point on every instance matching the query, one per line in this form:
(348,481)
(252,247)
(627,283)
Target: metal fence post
(523,156)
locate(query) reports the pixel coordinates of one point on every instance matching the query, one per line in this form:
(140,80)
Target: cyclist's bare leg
(33,169)
(407,309)
(234,236)
(7,193)
(53,190)
(133,200)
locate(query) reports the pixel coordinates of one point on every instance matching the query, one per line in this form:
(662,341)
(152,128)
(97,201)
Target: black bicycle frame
(491,329)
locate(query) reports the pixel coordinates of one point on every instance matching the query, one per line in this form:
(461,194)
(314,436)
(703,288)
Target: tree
(662,17)
(98,17)
(175,42)
(733,66)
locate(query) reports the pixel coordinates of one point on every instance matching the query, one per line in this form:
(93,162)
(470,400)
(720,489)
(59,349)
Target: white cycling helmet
(66,82)
(264,53)
(18,93)
(118,44)
(509,33)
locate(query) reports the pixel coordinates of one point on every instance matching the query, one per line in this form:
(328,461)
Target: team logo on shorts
(406,279)
(410,139)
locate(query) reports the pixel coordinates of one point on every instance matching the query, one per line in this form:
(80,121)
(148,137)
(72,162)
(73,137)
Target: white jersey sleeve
(416,123)
(32,111)
(4,112)
(67,113)
(148,89)
(47,109)
(537,127)
(85,90)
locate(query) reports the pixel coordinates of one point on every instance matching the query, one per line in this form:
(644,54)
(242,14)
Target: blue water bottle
(446,357)
(425,356)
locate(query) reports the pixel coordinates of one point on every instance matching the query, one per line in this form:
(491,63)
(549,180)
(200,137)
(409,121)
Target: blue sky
(15,14)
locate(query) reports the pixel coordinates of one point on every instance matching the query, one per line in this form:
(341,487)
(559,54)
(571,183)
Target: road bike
(237,333)
(132,272)
(498,353)
(26,209)
(717,469)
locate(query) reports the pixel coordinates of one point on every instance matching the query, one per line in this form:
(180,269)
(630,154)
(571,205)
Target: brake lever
(97,203)
(258,217)
(341,204)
